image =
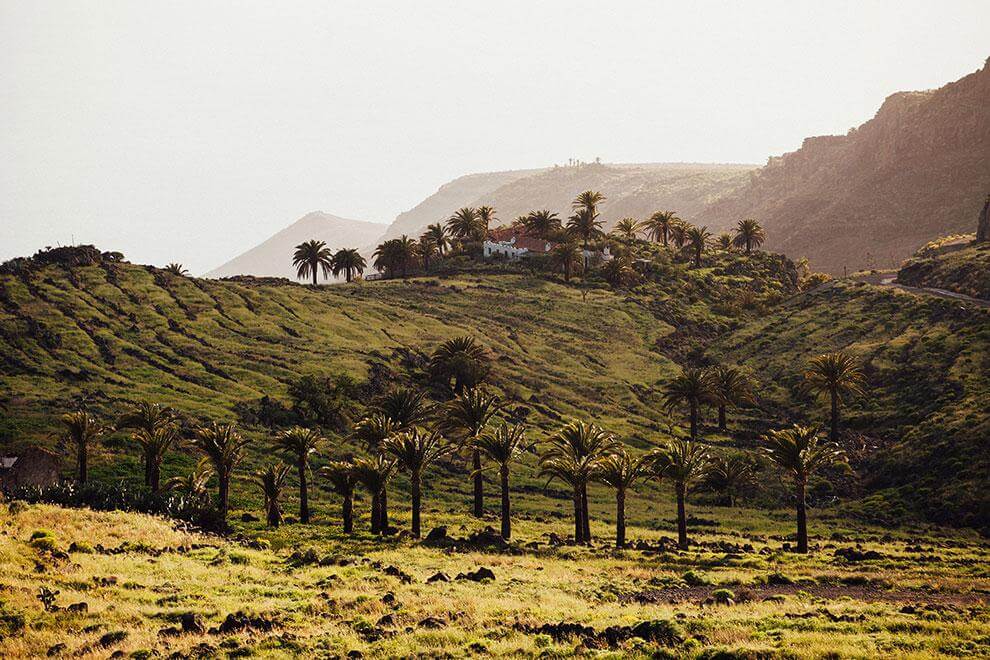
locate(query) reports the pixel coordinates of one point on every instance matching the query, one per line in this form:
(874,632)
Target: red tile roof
(523,240)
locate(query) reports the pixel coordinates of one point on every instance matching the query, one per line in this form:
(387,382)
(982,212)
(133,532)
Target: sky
(191,131)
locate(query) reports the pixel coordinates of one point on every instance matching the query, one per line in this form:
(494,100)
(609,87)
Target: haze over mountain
(918,170)
(273,257)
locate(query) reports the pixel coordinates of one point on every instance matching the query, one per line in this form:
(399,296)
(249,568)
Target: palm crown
(749,234)
(310,257)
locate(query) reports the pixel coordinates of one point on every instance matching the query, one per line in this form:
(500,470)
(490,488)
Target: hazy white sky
(190,131)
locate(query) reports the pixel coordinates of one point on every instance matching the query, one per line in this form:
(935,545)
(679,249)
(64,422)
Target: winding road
(884,279)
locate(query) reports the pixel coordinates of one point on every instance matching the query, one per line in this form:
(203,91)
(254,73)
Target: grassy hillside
(137,577)
(927,360)
(964,270)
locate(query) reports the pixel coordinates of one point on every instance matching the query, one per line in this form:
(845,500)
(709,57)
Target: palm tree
(406,250)
(405,407)
(588,201)
(348,261)
(620,471)
(486,216)
(271,479)
(749,233)
(728,474)
(466,417)
(660,224)
(504,445)
(176,269)
(341,476)
(426,249)
(155,431)
(373,429)
(464,224)
(585,225)
(193,485)
(627,228)
(298,444)
(80,430)
(838,376)
(577,441)
(576,472)
(461,359)
(678,233)
(374,474)
(698,237)
(723,242)
(568,257)
(224,446)
(541,224)
(310,257)
(798,451)
(619,271)
(683,462)
(438,235)
(693,387)
(730,387)
(395,255)
(416,451)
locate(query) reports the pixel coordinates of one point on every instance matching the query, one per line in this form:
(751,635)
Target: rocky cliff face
(871,197)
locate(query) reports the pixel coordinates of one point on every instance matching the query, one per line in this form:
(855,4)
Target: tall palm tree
(585,225)
(271,479)
(176,269)
(698,237)
(678,233)
(486,216)
(692,387)
(799,451)
(568,257)
(310,257)
(464,224)
(348,261)
(627,228)
(224,446)
(298,444)
(620,471)
(405,407)
(728,474)
(81,430)
(155,431)
(406,250)
(749,233)
(683,462)
(416,451)
(578,440)
(426,248)
(730,387)
(838,376)
(438,235)
(342,478)
(659,225)
(588,201)
(503,445)
(466,417)
(395,255)
(374,474)
(576,472)
(541,224)
(461,359)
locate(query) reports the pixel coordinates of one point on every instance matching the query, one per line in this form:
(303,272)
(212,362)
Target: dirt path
(890,280)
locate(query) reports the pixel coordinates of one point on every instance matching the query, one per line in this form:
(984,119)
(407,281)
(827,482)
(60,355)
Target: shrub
(82,547)
(695,579)
(723,596)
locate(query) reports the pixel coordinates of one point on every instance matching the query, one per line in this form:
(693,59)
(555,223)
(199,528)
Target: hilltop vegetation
(963,269)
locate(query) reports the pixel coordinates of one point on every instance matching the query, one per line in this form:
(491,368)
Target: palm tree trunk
(348,513)
(224,496)
(376,513)
(620,518)
(833,433)
(721,417)
(682,539)
(802,518)
(416,500)
(585,522)
(506,512)
(313,265)
(578,517)
(156,476)
(694,420)
(749,244)
(479,484)
(147,469)
(347,274)
(303,492)
(81,451)
(383,512)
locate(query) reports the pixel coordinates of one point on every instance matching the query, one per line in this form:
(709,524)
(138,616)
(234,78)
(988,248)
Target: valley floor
(307,591)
